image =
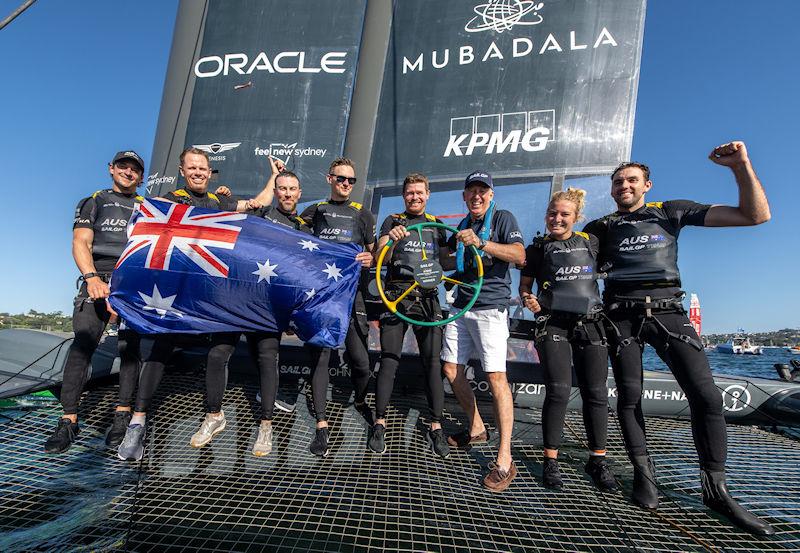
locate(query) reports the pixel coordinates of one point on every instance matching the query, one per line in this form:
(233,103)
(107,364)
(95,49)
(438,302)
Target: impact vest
(184,196)
(568,275)
(642,247)
(293,220)
(408,251)
(338,222)
(112,211)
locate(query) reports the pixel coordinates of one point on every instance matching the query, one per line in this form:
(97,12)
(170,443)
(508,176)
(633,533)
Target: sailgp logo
(503,15)
(498,133)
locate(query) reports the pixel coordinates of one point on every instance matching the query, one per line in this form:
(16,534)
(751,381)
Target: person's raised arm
(268,193)
(753,208)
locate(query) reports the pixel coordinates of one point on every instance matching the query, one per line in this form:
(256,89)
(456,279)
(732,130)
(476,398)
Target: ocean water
(761,366)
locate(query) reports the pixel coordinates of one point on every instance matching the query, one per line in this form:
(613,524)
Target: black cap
(129,154)
(479,176)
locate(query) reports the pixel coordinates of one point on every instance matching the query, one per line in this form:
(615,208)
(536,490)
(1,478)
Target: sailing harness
(586,329)
(646,309)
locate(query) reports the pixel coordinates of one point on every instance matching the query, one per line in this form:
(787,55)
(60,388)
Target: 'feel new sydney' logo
(499,133)
(503,15)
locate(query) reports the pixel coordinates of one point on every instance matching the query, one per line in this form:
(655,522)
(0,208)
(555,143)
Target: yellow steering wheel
(428,275)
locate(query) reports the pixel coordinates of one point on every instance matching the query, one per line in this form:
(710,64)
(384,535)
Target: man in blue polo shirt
(483,331)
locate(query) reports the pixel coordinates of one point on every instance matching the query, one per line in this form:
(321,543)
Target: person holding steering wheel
(409,250)
(483,330)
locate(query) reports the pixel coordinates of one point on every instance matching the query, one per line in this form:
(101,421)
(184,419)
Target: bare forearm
(525,285)
(83,258)
(268,193)
(752,200)
(512,253)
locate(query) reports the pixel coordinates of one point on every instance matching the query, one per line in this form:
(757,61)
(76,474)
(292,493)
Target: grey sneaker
(263,445)
(211,427)
(132,446)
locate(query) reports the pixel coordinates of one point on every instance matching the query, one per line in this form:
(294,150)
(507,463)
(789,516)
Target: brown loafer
(464,438)
(498,480)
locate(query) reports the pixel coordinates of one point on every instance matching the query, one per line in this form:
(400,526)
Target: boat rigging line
(13,15)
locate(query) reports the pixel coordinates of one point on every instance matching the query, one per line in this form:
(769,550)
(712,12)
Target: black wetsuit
(348,222)
(643,301)
(222,343)
(107,213)
(420,304)
(569,331)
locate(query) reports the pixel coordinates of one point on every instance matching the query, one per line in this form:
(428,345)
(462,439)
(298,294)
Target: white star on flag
(310,294)
(308,245)
(333,272)
(162,306)
(265,271)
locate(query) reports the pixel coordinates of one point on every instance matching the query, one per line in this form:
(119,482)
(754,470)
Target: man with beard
(98,238)
(407,252)
(643,301)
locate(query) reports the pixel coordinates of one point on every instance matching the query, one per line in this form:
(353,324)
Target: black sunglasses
(340,179)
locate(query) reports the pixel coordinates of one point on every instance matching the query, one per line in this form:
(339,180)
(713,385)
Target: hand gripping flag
(194,270)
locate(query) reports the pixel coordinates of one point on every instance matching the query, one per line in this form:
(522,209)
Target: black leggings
(690,368)
(152,371)
(429,340)
(89,320)
(320,377)
(263,347)
(591,368)
(356,352)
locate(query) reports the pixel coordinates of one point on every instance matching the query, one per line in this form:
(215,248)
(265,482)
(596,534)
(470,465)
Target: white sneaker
(263,445)
(212,425)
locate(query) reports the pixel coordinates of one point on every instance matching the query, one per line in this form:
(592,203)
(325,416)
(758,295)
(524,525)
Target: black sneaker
(319,445)
(551,476)
(603,478)
(439,443)
(365,411)
(284,401)
(118,428)
(62,437)
(377,439)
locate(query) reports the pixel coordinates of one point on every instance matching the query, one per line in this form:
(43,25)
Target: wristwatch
(90,275)
(482,244)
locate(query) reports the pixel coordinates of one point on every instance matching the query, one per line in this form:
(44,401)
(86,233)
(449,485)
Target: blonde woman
(569,331)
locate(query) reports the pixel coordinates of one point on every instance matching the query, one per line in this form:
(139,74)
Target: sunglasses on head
(340,179)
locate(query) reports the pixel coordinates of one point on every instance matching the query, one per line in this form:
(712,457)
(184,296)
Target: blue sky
(81,80)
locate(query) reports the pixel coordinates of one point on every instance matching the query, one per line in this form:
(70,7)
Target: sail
(694,314)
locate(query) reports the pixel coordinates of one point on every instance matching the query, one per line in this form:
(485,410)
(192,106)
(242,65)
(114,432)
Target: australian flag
(194,270)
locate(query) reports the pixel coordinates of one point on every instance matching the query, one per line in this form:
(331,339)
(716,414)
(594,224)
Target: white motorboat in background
(740,345)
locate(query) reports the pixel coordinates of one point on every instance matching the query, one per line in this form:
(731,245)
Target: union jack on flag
(165,227)
(196,270)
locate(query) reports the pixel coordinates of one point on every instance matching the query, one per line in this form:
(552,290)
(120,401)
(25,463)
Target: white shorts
(478,334)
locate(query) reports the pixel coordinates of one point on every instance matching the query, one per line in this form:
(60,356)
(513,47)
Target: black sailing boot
(645,492)
(717,498)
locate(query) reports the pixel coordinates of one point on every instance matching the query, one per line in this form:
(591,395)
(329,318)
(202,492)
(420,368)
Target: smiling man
(421,304)
(483,331)
(339,219)
(99,236)
(643,300)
